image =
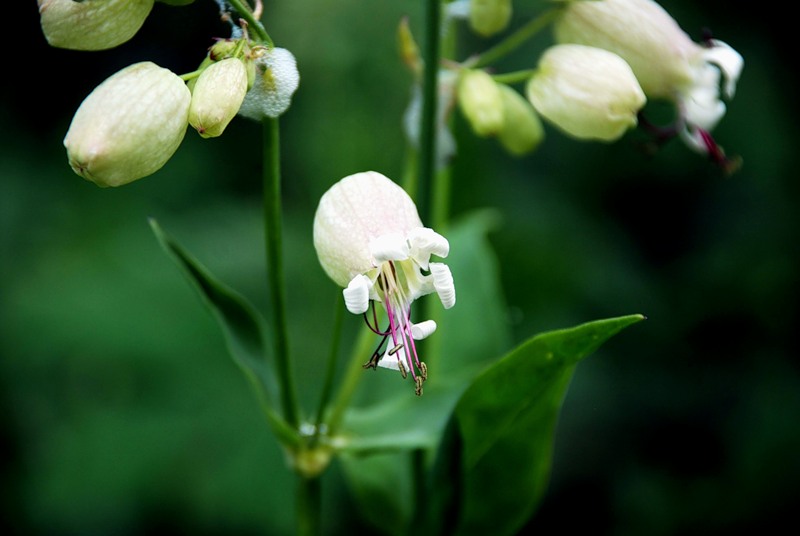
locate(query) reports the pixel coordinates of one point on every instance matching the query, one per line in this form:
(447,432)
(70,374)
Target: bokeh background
(120,412)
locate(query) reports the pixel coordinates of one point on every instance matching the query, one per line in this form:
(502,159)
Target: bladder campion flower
(92,24)
(587,92)
(129,126)
(370,240)
(217,96)
(665,60)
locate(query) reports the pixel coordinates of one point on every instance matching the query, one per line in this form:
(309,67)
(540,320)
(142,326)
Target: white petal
(423,329)
(356,295)
(424,242)
(389,247)
(443,283)
(701,105)
(729,61)
(391,361)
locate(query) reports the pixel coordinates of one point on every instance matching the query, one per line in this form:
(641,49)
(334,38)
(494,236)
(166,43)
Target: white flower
(667,63)
(587,92)
(370,240)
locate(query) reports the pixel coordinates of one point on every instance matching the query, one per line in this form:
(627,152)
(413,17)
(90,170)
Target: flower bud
(587,92)
(481,102)
(129,126)
(488,17)
(217,96)
(276,80)
(522,130)
(92,24)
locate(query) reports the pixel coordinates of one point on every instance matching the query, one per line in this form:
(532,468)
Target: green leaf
(501,432)
(243,327)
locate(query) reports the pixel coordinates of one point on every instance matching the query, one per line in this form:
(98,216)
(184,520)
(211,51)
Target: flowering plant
(482,412)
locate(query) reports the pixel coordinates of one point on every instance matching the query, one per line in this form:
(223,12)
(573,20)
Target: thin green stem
(430,79)
(254,26)
(516,39)
(276,278)
(514,77)
(327,387)
(347,387)
(309,500)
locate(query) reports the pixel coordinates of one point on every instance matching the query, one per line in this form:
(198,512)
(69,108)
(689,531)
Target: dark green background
(122,414)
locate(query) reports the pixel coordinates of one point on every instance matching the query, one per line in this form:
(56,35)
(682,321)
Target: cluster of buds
(665,60)
(495,109)
(610,57)
(130,125)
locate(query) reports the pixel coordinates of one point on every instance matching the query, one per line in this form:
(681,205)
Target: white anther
(423,329)
(356,295)
(443,284)
(389,247)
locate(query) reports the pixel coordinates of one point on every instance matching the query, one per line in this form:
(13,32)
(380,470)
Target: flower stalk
(275,273)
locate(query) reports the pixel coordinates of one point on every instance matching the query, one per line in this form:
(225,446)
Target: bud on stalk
(129,125)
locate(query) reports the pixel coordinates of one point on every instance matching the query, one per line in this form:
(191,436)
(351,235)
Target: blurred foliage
(123,414)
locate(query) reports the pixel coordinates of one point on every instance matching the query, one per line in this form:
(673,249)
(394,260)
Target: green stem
(254,26)
(430,79)
(309,499)
(353,374)
(514,77)
(276,278)
(327,387)
(515,40)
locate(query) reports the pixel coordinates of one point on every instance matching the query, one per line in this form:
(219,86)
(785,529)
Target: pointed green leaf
(243,327)
(505,423)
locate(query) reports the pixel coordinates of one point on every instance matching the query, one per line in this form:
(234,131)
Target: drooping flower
(129,126)
(666,61)
(92,24)
(587,92)
(370,240)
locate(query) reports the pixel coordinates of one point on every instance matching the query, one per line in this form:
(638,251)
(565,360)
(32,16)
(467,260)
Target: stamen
(402,368)
(418,386)
(423,370)
(395,349)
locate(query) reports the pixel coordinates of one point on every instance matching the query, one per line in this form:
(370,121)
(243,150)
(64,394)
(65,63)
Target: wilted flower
(276,80)
(587,92)
(217,96)
(667,63)
(92,24)
(129,125)
(370,240)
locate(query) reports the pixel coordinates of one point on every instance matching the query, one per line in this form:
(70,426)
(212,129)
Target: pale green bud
(129,126)
(488,17)
(481,102)
(92,24)
(275,80)
(217,96)
(522,130)
(589,93)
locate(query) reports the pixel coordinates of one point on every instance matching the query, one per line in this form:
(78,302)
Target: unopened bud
(587,92)
(276,80)
(488,17)
(481,102)
(129,126)
(92,24)
(217,96)
(522,130)
(222,49)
